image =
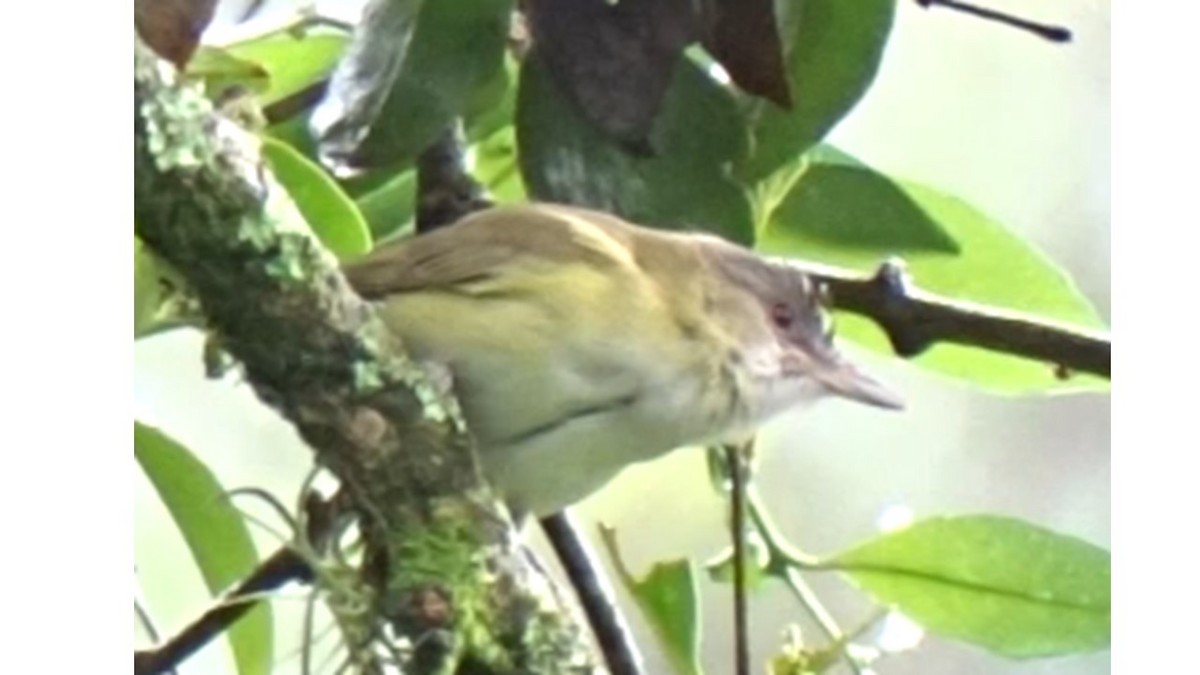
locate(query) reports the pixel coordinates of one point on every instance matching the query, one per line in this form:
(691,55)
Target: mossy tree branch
(442,566)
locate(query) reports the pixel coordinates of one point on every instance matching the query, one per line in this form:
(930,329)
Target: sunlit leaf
(334,217)
(296,134)
(293,61)
(669,600)
(843,213)
(214,531)
(496,166)
(220,69)
(839,204)
(390,206)
(386,197)
(1014,588)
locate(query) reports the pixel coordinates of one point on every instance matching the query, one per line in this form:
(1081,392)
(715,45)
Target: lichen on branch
(449,576)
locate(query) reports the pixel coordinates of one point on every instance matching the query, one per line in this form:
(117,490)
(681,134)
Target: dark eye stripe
(781,314)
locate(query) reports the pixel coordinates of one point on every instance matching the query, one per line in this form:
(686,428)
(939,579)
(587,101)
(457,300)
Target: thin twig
(1048,32)
(445,189)
(839,647)
(282,567)
(608,625)
(309,641)
(779,551)
(785,561)
(811,604)
(144,617)
(914,320)
(876,616)
(317,520)
(737,527)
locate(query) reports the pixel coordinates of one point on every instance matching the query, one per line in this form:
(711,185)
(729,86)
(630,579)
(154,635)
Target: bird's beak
(846,380)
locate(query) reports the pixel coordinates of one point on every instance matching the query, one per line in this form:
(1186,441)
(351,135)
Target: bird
(579,343)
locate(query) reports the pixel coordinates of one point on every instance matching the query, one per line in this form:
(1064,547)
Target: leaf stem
(785,562)
(780,553)
(772,190)
(817,611)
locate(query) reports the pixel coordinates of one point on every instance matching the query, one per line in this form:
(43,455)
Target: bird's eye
(781,314)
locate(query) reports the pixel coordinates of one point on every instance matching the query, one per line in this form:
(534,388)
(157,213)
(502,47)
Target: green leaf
(496,166)
(215,533)
(334,217)
(452,64)
(293,61)
(669,600)
(146,292)
(220,69)
(493,106)
(833,49)
(390,207)
(840,203)
(295,132)
(841,212)
(385,197)
(1014,588)
(686,185)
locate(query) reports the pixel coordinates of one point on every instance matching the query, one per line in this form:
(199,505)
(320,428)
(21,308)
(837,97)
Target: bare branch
(282,567)
(914,320)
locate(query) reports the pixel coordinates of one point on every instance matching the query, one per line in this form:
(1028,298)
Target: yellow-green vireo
(580,343)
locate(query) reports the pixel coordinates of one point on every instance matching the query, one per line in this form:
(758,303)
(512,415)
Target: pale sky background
(1018,128)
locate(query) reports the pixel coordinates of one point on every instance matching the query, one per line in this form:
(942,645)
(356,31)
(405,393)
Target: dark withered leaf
(454,55)
(699,133)
(613,62)
(832,48)
(173,28)
(362,80)
(743,37)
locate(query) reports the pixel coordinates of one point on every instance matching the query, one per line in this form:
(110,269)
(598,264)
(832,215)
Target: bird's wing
(500,298)
(484,248)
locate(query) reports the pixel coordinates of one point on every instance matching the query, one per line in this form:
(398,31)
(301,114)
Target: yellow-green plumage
(580,343)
